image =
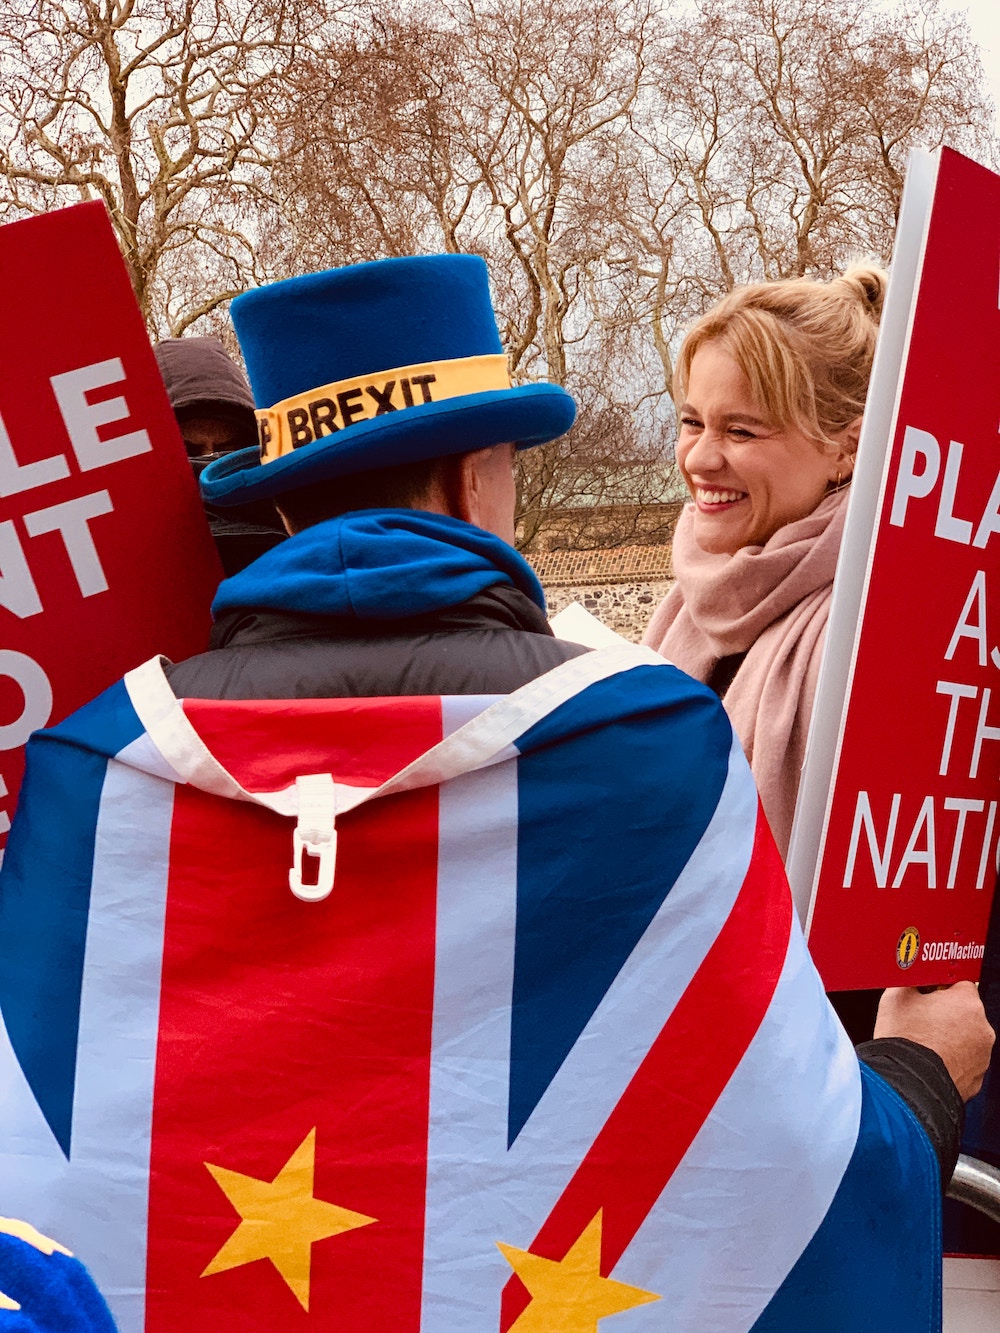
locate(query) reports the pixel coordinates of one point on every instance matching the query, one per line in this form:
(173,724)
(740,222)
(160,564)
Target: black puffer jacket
(492,644)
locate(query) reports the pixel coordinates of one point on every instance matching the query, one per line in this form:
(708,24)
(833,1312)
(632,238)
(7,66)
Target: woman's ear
(852,434)
(843,460)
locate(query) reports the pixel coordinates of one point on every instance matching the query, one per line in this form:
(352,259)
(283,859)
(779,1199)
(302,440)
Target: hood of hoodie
(200,373)
(379,564)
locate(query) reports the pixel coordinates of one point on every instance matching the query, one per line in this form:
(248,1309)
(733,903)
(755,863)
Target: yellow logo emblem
(908,947)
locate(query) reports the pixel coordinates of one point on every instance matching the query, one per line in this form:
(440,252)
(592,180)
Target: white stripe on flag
(464,1272)
(478,1191)
(485,739)
(761,1175)
(119,1016)
(95,1203)
(653,978)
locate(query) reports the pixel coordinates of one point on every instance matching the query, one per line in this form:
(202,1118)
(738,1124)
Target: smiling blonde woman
(771,386)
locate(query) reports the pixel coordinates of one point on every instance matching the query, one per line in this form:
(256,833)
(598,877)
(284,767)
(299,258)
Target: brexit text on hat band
(311,416)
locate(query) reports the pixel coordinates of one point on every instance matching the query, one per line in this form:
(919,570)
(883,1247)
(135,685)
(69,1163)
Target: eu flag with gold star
(449,1015)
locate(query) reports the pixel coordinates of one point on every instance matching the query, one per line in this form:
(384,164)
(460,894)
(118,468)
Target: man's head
(477,487)
(209,394)
(384,385)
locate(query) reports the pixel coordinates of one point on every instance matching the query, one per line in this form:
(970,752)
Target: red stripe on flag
(681,1077)
(265,744)
(278,1017)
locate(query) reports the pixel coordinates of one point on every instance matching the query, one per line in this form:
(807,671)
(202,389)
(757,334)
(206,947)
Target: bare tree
(500,129)
(153,106)
(791,122)
(365,132)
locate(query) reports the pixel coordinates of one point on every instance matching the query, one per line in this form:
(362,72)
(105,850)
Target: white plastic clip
(315,835)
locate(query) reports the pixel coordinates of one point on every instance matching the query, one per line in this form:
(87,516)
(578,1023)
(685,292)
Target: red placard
(907,858)
(105,553)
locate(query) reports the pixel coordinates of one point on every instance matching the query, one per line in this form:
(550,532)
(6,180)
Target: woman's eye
(690,423)
(738,433)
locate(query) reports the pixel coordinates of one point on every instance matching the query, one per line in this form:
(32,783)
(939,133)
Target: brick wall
(620,564)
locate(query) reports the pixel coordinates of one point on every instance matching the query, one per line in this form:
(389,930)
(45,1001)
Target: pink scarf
(771,602)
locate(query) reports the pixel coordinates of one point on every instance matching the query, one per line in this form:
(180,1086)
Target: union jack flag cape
(545,1053)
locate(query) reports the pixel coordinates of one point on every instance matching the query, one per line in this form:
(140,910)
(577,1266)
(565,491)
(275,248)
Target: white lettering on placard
(15,478)
(956,692)
(919,470)
(4,816)
(936,951)
(983,733)
(18,592)
(911,484)
(972,629)
(863,818)
(963,808)
(83,418)
(984,857)
(932,819)
(34,685)
(915,855)
(990,521)
(71,520)
(947,525)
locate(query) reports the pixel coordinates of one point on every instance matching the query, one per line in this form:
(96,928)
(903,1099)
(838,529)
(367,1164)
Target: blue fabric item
(348,323)
(42,937)
(318,329)
(55,1292)
(379,564)
(525,416)
(580,928)
(879,1216)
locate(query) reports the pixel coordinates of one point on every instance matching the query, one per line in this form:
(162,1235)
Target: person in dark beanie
(214,408)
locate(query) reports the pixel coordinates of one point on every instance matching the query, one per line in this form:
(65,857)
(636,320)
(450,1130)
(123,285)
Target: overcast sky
(984,20)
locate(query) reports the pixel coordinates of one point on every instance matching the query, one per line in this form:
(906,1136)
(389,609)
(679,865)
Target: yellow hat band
(320,412)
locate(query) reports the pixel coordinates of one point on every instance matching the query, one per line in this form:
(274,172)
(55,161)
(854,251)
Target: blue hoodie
(379,564)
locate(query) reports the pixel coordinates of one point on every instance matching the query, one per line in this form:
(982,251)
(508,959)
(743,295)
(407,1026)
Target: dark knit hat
(202,380)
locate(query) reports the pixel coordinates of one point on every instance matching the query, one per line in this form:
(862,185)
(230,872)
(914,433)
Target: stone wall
(624,607)
(621,586)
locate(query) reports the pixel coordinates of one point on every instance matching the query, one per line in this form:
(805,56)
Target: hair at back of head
(806,347)
(401,487)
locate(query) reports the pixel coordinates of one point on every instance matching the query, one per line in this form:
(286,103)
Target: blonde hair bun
(806,347)
(866,283)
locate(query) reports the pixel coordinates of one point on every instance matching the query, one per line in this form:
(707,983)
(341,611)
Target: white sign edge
(853,574)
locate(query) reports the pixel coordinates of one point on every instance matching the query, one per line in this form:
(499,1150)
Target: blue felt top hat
(373,366)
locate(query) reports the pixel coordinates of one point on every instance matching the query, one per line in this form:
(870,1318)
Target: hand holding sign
(949,1020)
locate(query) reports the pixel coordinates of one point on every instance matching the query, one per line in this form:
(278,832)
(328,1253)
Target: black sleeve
(920,1077)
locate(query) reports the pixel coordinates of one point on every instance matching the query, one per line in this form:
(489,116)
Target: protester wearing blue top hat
(373,366)
(388,426)
(388,430)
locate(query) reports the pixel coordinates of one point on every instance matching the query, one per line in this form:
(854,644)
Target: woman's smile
(712,500)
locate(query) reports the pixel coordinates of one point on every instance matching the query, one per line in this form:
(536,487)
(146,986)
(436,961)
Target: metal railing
(977,1184)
